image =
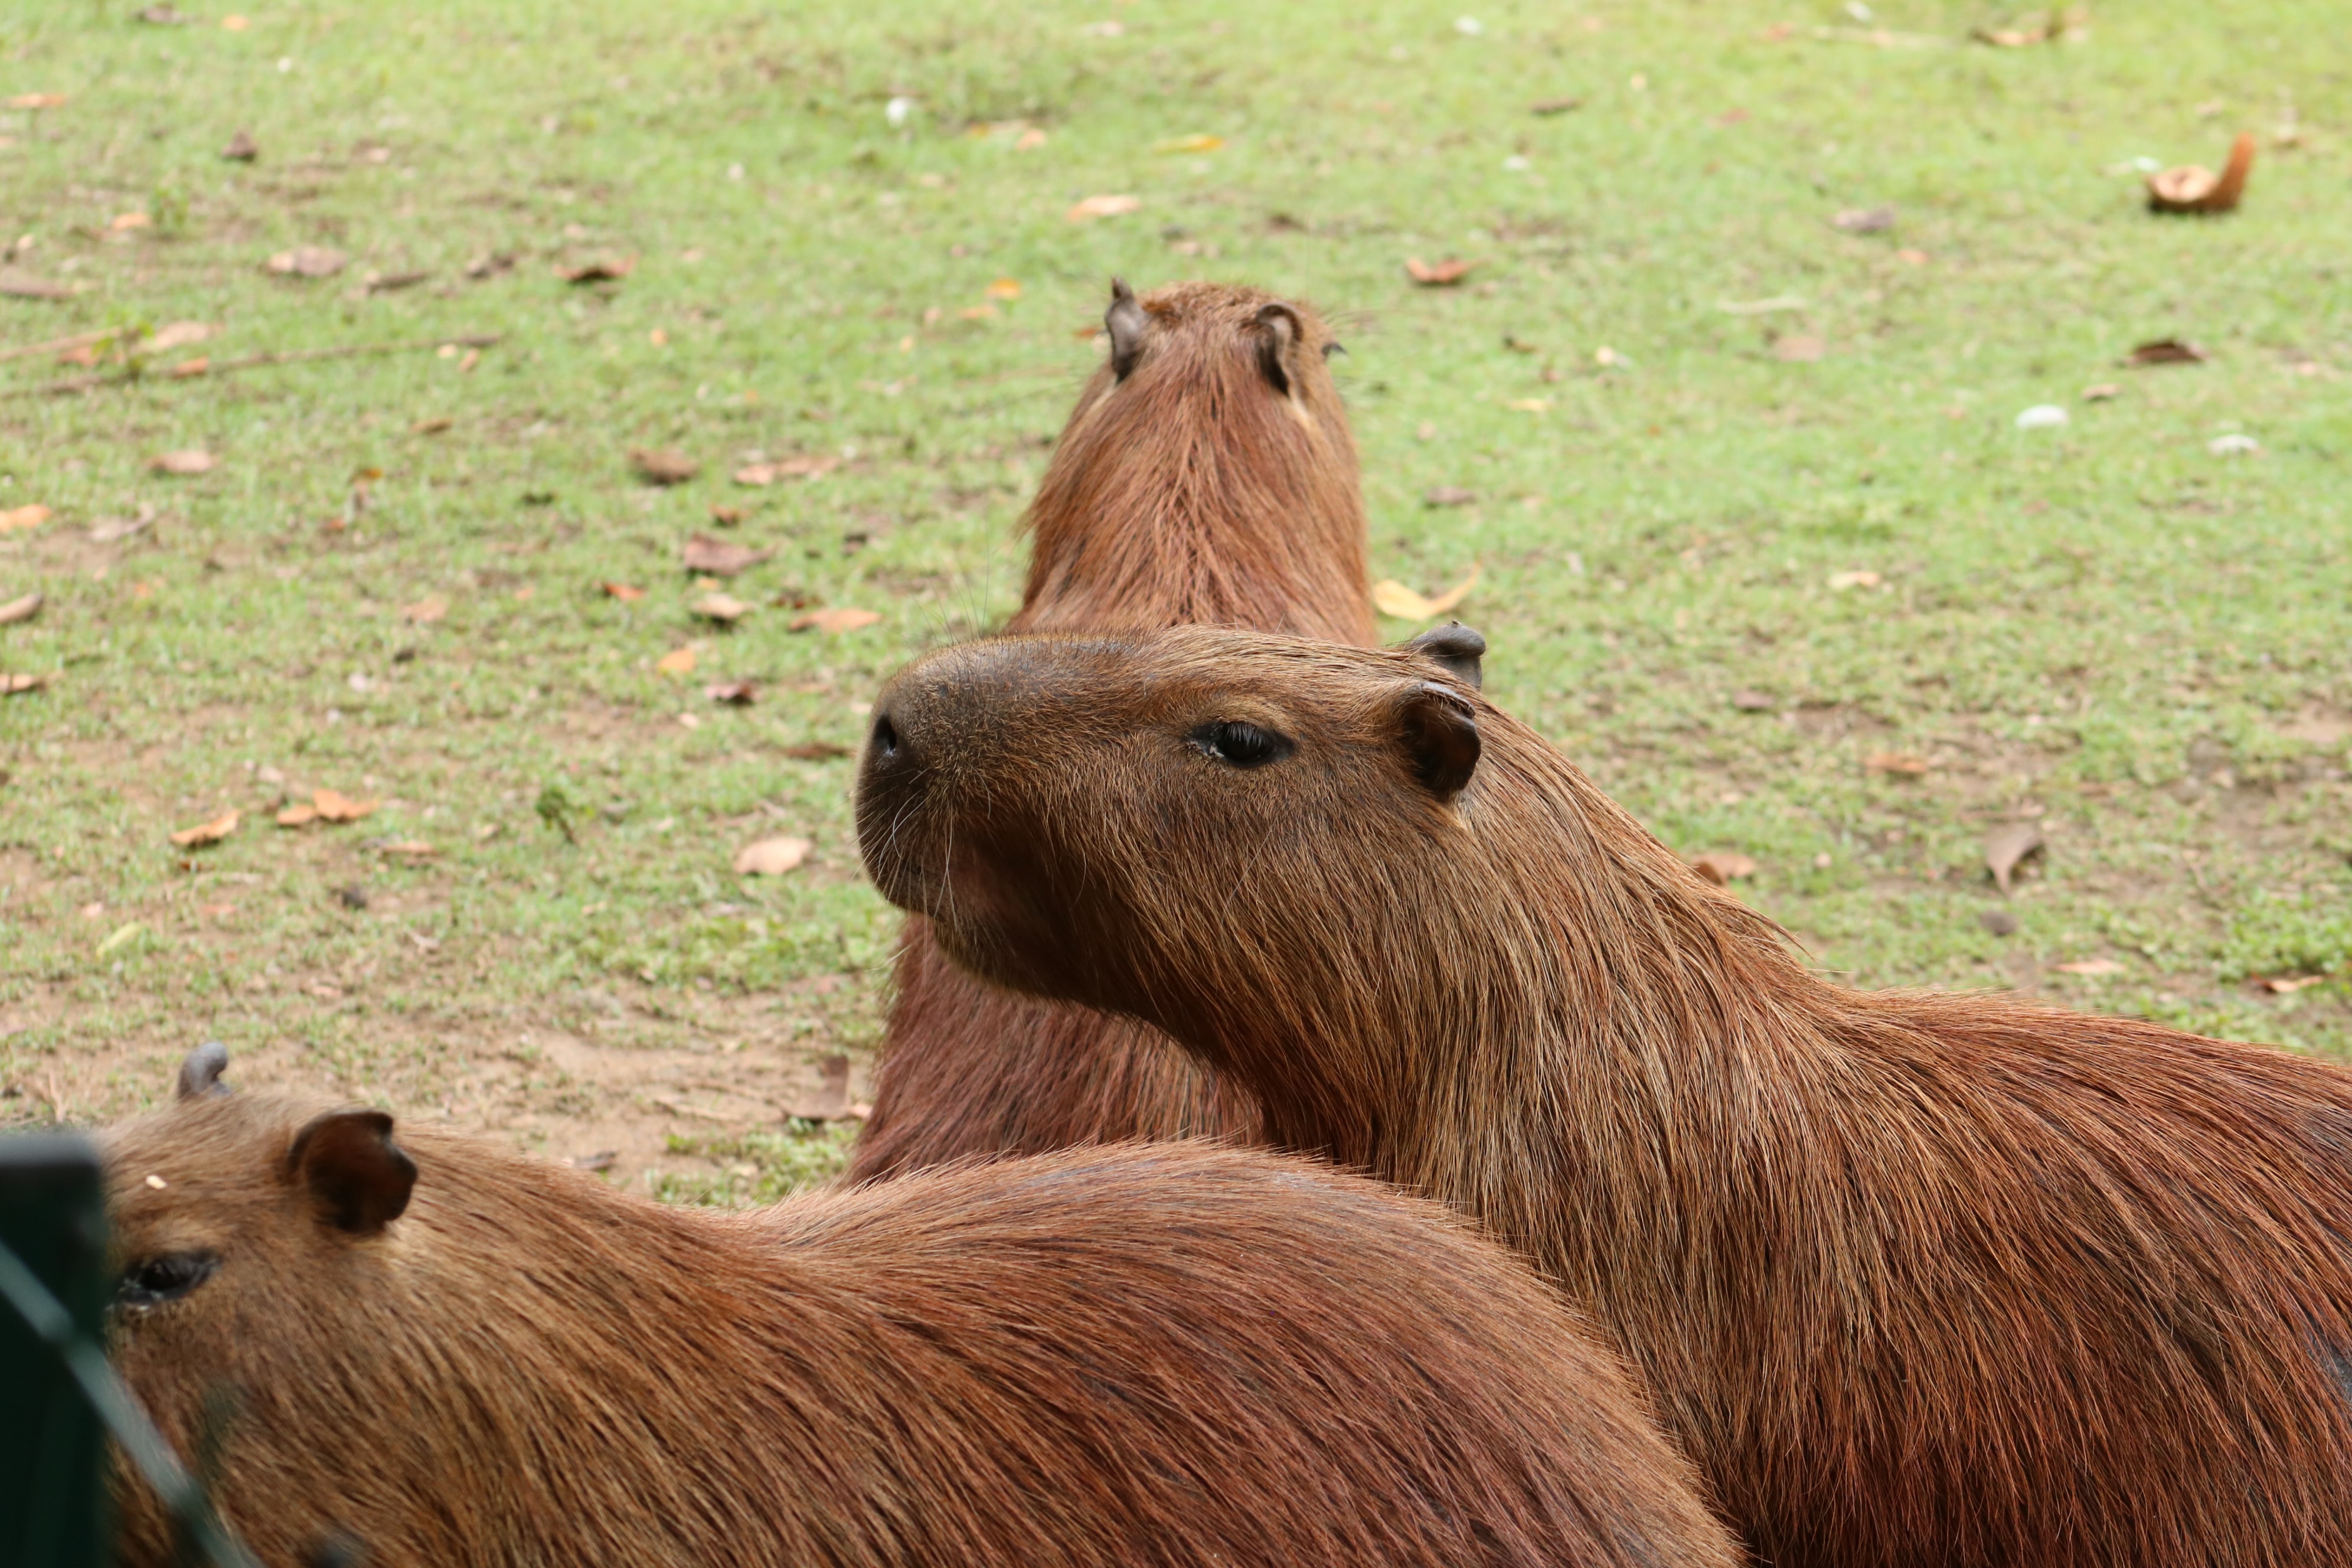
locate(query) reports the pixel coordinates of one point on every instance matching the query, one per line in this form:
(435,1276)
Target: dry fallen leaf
(663,465)
(37,100)
(817,750)
(704,553)
(1200,144)
(1448,495)
(179,335)
(1865,220)
(677,661)
(604,269)
(830,1101)
(2102,392)
(1841,581)
(308,261)
(770,856)
(1749,701)
(126,221)
(23,681)
(188,367)
(1908,764)
(426,611)
(27,517)
(241,148)
(1003,289)
(622,591)
(1723,867)
(432,427)
(24,286)
(806,468)
(2090,966)
(1393,598)
(296,816)
(23,609)
(1444,275)
(1554,105)
(1799,348)
(212,832)
(725,516)
(191,460)
(2192,189)
(1102,206)
(2287,984)
(2010,846)
(2167,350)
(724,608)
(738,693)
(333,807)
(834,622)
(409,849)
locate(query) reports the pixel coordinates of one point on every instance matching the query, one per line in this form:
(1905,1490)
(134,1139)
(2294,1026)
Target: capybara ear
(1453,646)
(1125,323)
(1440,736)
(200,1073)
(358,1176)
(1277,326)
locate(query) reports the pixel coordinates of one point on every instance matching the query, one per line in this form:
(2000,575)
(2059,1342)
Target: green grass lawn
(1686,405)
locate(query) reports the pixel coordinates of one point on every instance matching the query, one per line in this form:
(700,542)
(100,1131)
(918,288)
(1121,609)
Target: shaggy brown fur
(1207,476)
(1916,1279)
(1162,1355)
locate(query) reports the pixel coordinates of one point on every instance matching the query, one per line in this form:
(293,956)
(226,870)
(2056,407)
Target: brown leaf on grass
(333,807)
(409,849)
(392,282)
(724,608)
(24,286)
(37,100)
(2008,847)
(1444,275)
(2190,188)
(725,516)
(426,611)
(817,750)
(736,693)
(622,591)
(432,427)
(1003,289)
(2090,966)
(1554,105)
(2166,350)
(1841,581)
(188,367)
(1751,701)
(804,468)
(1102,206)
(212,832)
(24,517)
(604,270)
(241,148)
(190,460)
(1448,495)
(833,622)
(123,222)
(677,661)
(21,682)
(1391,597)
(720,556)
(2287,984)
(1864,220)
(1901,764)
(2102,392)
(1799,348)
(1723,867)
(663,465)
(829,1101)
(308,261)
(179,335)
(770,856)
(166,16)
(23,609)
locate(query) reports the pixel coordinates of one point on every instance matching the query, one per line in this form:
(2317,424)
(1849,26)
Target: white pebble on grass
(2234,446)
(2042,416)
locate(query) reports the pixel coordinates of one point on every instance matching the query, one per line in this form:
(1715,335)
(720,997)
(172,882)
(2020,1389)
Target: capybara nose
(884,743)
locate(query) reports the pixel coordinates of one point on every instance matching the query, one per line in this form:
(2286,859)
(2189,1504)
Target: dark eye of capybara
(886,737)
(151,1281)
(1243,746)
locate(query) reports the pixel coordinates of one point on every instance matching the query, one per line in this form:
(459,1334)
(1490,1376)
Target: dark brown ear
(358,1176)
(1439,732)
(200,1073)
(1125,323)
(1277,330)
(1455,647)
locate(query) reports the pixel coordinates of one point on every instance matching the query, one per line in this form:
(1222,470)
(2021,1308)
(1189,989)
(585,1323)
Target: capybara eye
(1243,746)
(151,1281)
(886,737)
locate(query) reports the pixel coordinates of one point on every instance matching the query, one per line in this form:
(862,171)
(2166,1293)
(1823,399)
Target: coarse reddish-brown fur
(1190,490)
(1157,1355)
(1917,1279)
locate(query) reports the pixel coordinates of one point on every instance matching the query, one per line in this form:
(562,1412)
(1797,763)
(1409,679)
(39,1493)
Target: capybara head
(1207,474)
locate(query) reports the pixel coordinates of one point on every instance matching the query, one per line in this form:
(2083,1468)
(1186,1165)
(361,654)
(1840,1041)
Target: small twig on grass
(249,362)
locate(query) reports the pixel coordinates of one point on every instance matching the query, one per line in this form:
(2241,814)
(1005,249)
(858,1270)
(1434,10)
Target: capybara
(1916,1279)
(1155,1354)
(1207,474)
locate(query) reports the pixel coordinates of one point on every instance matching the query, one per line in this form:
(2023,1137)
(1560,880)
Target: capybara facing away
(1916,1279)
(1207,474)
(1160,1354)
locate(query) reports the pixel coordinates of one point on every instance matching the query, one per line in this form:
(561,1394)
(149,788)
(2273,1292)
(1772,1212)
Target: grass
(2106,626)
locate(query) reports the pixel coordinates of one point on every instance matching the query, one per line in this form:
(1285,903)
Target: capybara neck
(1207,476)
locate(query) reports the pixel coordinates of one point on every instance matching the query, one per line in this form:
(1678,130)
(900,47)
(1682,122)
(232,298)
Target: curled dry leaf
(725,516)
(23,609)
(2102,392)
(179,335)
(817,750)
(1393,598)
(2287,984)
(677,661)
(736,693)
(1901,764)
(2193,189)
(308,261)
(1841,581)
(1865,220)
(1751,701)
(241,148)
(24,517)
(833,622)
(1102,207)
(1444,275)
(1448,495)
(664,464)
(212,832)
(333,807)
(392,282)
(604,270)
(622,591)
(2090,966)
(1723,867)
(770,856)
(2007,848)
(2167,350)
(434,426)
(191,460)
(20,682)
(426,611)
(724,608)
(720,556)
(803,468)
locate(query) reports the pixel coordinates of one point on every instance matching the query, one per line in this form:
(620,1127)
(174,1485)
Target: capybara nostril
(886,736)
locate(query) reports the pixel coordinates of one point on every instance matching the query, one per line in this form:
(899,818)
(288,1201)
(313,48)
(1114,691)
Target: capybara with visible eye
(1157,1355)
(1916,1279)
(1207,474)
